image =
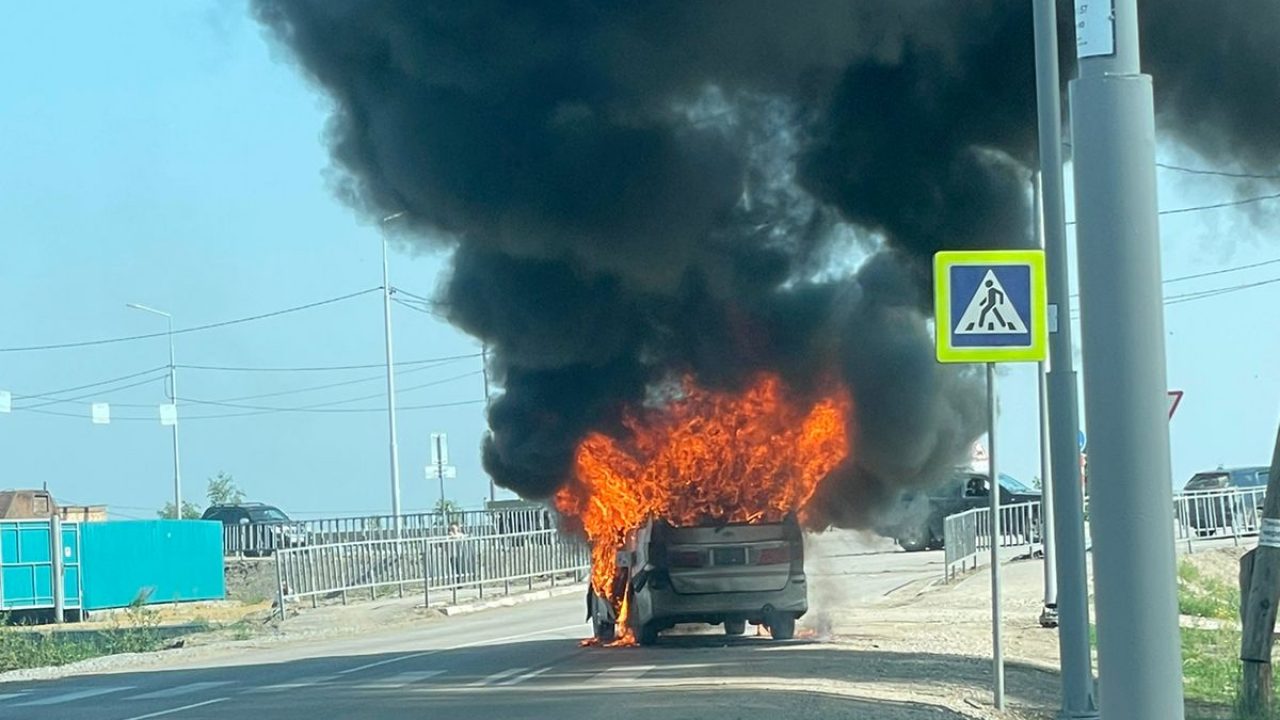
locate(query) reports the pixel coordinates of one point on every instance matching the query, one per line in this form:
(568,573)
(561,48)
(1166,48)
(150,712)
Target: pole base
(1049,616)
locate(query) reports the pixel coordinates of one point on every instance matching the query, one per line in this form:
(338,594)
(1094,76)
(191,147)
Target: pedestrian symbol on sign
(990,311)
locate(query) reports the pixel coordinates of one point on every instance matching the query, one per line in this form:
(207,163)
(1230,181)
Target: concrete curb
(513,600)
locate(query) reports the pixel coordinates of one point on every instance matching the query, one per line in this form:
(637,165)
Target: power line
(197,328)
(327,406)
(1223,271)
(1211,273)
(1214,206)
(322,368)
(219,416)
(1217,173)
(422,310)
(1201,294)
(419,298)
(431,406)
(356,381)
(1188,297)
(99,393)
(130,376)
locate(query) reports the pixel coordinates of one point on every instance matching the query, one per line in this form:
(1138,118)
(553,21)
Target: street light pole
(391,381)
(484,361)
(1122,321)
(1062,489)
(173,399)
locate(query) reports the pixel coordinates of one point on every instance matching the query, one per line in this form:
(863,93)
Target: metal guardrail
(492,563)
(966,535)
(1200,516)
(260,539)
(1215,514)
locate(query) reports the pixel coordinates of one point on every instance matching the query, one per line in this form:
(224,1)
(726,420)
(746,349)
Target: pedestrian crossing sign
(990,306)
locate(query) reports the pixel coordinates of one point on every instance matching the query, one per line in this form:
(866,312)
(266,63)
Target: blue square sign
(990,306)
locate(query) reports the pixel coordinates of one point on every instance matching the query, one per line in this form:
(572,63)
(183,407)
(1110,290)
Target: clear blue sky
(162,153)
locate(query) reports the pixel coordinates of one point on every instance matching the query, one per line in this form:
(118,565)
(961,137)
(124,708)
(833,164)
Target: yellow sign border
(942,264)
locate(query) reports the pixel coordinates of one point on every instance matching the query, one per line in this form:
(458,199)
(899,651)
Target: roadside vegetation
(1211,673)
(22,647)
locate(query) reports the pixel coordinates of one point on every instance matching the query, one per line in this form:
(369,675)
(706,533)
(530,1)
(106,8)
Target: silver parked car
(721,574)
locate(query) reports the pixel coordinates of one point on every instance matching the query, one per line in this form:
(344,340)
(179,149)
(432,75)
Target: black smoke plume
(633,191)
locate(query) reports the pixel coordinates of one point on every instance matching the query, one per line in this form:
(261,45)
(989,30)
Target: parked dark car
(917,522)
(258,529)
(1211,508)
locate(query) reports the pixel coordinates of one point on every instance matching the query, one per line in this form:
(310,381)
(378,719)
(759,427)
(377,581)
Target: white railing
(1199,517)
(967,535)
(426,565)
(1216,514)
(260,539)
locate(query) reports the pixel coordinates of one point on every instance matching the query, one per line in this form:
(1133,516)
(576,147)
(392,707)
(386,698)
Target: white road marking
(462,646)
(291,685)
(170,711)
(527,676)
(72,696)
(180,690)
(403,679)
(621,673)
(496,677)
(10,696)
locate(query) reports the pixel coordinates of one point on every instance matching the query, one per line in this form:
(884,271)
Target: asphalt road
(511,663)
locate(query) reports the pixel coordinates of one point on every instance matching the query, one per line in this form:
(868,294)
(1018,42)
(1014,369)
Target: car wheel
(782,627)
(605,632)
(735,627)
(915,539)
(648,634)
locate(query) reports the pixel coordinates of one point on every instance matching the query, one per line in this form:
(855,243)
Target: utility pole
(1259,589)
(1122,319)
(1061,490)
(993,497)
(173,399)
(1049,612)
(484,370)
(391,379)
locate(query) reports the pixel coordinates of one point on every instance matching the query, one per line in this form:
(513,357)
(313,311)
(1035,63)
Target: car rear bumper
(668,607)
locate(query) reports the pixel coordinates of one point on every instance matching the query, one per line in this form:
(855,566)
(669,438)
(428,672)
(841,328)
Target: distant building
(27,504)
(83,513)
(35,504)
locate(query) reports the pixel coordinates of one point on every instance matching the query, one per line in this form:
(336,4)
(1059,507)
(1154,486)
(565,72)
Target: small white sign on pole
(1095,28)
(100,413)
(6,401)
(450,472)
(439,448)
(168,414)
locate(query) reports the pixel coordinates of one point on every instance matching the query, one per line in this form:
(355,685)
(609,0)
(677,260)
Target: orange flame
(753,456)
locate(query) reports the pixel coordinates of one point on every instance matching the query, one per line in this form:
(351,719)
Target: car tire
(782,627)
(605,632)
(735,627)
(647,634)
(916,539)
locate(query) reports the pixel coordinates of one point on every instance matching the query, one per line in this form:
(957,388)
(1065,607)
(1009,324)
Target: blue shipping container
(159,560)
(26,565)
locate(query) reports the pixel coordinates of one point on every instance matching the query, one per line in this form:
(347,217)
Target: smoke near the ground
(634,191)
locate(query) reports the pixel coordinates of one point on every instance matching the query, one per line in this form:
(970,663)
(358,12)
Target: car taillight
(686,558)
(774,556)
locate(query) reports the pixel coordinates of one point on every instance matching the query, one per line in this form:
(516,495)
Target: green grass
(1206,597)
(25,647)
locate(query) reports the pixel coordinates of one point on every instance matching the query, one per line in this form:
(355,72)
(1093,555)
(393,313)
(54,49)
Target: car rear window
(267,515)
(1207,481)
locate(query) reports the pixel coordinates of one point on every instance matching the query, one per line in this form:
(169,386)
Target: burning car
(716,574)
